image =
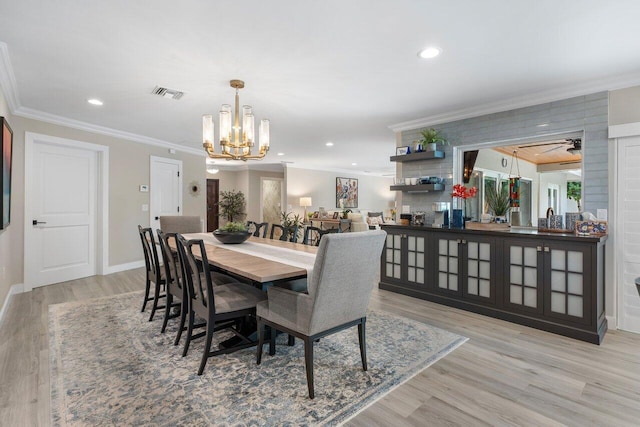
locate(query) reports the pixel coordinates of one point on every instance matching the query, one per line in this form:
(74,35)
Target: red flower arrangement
(462,192)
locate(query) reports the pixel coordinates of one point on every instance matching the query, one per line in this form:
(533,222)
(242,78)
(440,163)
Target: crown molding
(600,85)
(30,113)
(344,172)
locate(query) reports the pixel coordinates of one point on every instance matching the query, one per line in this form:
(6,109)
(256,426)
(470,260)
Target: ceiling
(339,71)
(543,153)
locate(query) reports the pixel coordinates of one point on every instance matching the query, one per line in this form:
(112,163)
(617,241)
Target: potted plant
(287,221)
(232,233)
(231,204)
(430,138)
(498,201)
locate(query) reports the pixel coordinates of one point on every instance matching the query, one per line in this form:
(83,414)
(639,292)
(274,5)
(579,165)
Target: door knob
(157,218)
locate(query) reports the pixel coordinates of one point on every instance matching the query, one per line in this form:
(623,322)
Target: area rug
(111,366)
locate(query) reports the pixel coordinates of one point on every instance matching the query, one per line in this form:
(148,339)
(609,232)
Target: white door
(165,189)
(61,212)
(628,233)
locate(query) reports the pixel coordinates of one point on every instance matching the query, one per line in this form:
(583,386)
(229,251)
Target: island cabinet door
(568,281)
(479,271)
(522,284)
(404,259)
(448,264)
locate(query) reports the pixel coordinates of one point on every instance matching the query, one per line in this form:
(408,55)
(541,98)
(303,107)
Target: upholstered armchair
(339,287)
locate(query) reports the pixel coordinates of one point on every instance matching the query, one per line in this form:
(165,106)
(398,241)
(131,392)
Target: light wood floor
(505,374)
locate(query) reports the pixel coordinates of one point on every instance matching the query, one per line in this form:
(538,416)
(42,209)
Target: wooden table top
(253,267)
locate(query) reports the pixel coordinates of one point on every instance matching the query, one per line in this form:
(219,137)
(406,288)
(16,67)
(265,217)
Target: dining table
(259,260)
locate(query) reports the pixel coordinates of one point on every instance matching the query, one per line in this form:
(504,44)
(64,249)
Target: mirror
(550,170)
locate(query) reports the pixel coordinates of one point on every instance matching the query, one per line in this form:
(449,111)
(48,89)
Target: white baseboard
(612,323)
(14,289)
(123,267)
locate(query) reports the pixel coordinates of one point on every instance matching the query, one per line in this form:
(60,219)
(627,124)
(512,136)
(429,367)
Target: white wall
(10,236)
(373,191)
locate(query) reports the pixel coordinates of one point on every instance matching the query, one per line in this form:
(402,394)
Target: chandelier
(235,141)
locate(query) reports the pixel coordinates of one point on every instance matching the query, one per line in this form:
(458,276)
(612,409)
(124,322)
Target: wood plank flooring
(506,374)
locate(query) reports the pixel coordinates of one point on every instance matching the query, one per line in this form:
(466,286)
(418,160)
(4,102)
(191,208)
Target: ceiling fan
(574,144)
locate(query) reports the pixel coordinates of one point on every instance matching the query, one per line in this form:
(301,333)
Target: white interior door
(61,212)
(165,189)
(628,233)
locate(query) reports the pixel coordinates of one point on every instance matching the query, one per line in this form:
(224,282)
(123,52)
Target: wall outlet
(601,214)
(145,208)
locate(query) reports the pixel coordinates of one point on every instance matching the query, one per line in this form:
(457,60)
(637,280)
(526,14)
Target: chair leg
(183,318)
(308,363)
(189,332)
(167,312)
(146,294)
(207,347)
(272,340)
(260,342)
(156,297)
(363,344)
(292,341)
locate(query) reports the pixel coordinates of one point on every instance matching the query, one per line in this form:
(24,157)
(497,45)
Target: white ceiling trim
(344,172)
(600,85)
(10,90)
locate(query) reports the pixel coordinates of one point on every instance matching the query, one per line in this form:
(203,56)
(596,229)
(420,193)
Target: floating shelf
(420,188)
(422,155)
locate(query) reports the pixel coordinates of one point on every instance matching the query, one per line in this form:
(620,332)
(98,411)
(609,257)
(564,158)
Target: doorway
(213,196)
(165,181)
(271,200)
(66,210)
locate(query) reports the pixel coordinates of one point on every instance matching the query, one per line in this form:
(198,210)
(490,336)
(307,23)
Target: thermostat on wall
(144,188)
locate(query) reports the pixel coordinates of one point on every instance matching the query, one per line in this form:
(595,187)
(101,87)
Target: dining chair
(313,235)
(153,272)
(174,288)
(180,224)
(339,289)
(289,234)
(224,307)
(255,227)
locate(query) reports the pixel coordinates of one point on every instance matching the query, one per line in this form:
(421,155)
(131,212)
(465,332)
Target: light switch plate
(145,208)
(144,188)
(601,214)
(406,209)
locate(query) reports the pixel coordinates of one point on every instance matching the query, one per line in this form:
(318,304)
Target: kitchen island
(548,281)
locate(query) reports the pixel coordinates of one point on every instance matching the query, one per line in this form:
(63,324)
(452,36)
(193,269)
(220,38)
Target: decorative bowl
(231,237)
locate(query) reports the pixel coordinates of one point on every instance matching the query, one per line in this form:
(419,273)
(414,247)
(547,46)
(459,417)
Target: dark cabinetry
(555,283)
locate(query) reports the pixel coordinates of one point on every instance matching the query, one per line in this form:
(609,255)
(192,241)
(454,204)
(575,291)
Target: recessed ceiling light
(280,154)
(94,101)
(430,52)
(543,125)
(354,164)
(329,144)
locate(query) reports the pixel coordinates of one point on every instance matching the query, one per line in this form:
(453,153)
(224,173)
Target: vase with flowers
(460,195)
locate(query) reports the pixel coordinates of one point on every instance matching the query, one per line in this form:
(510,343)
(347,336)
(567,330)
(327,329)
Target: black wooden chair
(174,288)
(312,235)
(289,234)
(255,227)
(223,307)
(154,273)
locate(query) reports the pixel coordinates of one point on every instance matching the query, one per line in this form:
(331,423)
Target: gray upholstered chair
(180,224)
(339,287)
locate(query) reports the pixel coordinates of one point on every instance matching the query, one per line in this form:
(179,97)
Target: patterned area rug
(110,366)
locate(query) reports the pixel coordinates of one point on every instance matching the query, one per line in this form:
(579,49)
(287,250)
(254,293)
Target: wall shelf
(419,188)
(422,155)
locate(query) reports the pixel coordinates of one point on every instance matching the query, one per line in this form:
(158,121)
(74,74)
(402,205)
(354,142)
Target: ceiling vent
(167,93)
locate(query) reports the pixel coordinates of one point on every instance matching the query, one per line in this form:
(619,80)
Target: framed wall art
(346,193)
(6,145)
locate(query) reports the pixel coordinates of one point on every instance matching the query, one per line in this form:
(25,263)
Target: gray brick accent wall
(587,113)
